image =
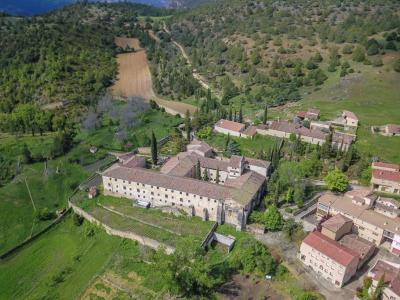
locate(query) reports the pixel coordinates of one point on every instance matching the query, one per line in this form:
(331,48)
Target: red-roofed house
(392,130)
(329,258)
(229,127)
(386,177)
(350,118)
(391,273)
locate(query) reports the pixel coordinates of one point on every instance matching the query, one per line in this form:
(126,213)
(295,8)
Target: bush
(45,214)
(78,220)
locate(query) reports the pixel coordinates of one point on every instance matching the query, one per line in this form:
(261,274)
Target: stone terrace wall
(124,234)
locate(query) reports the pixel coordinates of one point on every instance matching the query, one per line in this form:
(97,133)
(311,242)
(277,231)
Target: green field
(17,214)
(249,147)
(138,136)
(64,262)
(374,99)
(163,227)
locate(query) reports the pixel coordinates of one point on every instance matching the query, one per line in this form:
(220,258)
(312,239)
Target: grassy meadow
(62,263)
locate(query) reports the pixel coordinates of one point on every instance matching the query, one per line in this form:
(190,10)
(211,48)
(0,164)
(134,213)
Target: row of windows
(173,191)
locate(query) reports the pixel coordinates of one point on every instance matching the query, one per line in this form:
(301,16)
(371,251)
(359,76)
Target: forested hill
(64,56)
(271,49)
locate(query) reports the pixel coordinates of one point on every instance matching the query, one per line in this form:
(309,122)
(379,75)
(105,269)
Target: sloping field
(134,78)
(123,42)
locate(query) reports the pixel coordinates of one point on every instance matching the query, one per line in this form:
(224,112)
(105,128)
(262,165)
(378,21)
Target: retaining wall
(124,234)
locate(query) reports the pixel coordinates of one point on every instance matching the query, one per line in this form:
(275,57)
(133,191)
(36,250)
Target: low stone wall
(34,237)
(124,234)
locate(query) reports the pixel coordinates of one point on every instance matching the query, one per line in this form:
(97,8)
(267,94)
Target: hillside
(64,57)
(300,53)
(29,8)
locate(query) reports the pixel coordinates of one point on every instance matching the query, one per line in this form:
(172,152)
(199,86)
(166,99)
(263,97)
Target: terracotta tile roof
(379,164)
(135,162)
(235,161)
(249,183)
(230,125)
(250,131)
(199,146)
(257,162)
(345,206)
(359,245)
(332,249)
(349,114)
(393,128)
(297,129)
(391,272)
(386,175)
(340,137)
(302,114)
(336,222)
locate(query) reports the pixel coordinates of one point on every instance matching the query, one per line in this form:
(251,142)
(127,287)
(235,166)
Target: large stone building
(233,189)
(375,219)
(386,177)
(336,253)
(229,127)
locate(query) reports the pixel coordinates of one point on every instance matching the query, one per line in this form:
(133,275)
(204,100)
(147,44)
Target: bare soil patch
(246,288)
(134,78)
(123,42)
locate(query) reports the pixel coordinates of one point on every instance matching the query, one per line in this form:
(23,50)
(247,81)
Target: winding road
(196,75)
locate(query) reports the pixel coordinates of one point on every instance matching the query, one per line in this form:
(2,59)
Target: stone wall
(124,234)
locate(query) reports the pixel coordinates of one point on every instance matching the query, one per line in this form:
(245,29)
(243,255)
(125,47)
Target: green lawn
(152,120)
(373,95)
(17,215)
(152,223)
(248,147)
(65,249)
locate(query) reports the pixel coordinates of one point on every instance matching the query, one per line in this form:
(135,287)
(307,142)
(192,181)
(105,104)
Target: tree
(265,116)
(372,47)
(396,65)
(326,149)
(252,257)
(205,132)
(205,175)
(232,148)
(299,194)
(187,271)
(188,126)
(273,218)
(198,170)
(336,181)
(359,54)
(379,287)
(154,151)
(240,119)
(290,228)
(217,180)
(26,154)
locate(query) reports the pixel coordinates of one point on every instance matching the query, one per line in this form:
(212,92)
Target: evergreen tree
(230,114)
(26,154)
(198,170)
(205,175)
(188,125)
(228,138)
(265,115)
(326,149)
(241,114)
(217,176)
(154,154)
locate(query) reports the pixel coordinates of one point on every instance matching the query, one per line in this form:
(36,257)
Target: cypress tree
(188,126)
(217,176)
(198,170)
(240,114)
(205,175)
(154,154)
(230,113)
(227,141)
(265,115)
